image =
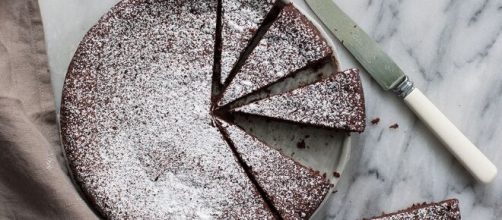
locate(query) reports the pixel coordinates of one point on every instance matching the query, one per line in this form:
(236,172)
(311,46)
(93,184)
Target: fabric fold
(34,181)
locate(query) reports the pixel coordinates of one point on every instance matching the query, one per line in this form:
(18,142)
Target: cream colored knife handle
(463,149)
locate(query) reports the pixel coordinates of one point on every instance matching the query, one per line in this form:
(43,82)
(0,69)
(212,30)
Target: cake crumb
(301,144)
(394,126)
(375,121)
(336,174)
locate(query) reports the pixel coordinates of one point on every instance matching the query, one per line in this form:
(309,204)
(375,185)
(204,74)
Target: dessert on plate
(137,116)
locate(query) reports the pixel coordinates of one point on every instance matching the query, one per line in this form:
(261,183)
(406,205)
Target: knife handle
(456,142)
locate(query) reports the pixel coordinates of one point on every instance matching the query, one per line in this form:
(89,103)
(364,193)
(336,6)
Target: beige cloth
(34,183)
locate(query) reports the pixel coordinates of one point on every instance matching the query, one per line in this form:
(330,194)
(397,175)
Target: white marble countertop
(453,52)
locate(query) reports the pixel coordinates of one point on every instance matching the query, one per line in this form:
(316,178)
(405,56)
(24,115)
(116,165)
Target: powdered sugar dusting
(296,191)
(135,117)
(445,210)
(241,19)
(337,102)
(290,43)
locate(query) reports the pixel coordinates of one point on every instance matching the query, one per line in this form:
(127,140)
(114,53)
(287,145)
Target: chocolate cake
(291,43)
(444,210)
(137,117)
(296,191)
(337,102)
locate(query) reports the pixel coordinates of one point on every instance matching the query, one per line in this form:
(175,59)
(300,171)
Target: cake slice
(337,102)
(444,210)
(291,43)
(293,189)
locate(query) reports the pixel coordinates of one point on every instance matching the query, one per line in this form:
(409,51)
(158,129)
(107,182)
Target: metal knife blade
(378,64)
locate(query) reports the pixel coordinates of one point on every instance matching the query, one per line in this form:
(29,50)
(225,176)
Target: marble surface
(453,52)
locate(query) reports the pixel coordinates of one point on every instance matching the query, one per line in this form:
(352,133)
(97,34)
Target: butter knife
(390,77)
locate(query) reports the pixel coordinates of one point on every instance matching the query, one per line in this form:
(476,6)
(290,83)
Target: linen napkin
(34,181)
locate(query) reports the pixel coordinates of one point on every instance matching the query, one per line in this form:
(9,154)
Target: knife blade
(390,77)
